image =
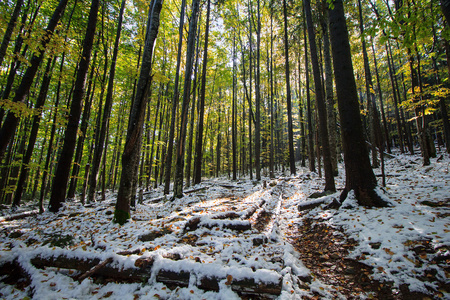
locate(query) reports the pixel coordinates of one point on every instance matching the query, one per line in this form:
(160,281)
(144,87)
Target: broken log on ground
(19,216)
(197,222)
(243,280)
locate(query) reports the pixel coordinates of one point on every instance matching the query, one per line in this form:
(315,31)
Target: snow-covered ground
(235,230)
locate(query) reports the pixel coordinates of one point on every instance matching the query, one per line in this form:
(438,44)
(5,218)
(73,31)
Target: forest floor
(241,240)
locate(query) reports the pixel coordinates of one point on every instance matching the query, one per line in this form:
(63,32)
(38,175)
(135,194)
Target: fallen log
(250,211)
(109,269)
(329,200)
(172,273)
(196,222)
(19,216)
(95,269)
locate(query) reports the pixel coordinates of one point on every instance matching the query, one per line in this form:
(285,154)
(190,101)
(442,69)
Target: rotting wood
(95,269)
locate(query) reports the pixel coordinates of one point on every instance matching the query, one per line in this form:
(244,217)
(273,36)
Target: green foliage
(20,109)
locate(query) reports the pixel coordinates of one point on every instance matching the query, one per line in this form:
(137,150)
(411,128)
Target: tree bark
(98,150)
(288,94)
(181,143)
(169,150)
(258,97)
(311,157)
(199,139)
(134,135)
(70,136)
(331,114)
(320,103)
(359,175)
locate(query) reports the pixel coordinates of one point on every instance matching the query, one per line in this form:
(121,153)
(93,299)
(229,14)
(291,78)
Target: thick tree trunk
(10,124)
(132,149)
(181,143)
(199,138)
(70,136)
(99,147)
(359,175)
(445,6)
(320,103)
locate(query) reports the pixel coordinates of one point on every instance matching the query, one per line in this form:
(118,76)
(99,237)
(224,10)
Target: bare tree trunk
(199,139)
(70,137)
(258,97)
(320,103)
(288,94)
(132,149)
(181,143)
(168,162)
(100,142)
(359,175)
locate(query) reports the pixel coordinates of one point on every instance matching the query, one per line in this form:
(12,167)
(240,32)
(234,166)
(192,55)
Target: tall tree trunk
(359,175)
(181,143)
(331,122)
(192,114)
(99,147)
(371,106)
(233,113)
(288,94)
(132,149)
(9,30)
(258,97)
(394,94)
(445,6)
(34,131)
(271,154)
(380,95)
(83,131)
(70,136)
(169,150)
(320,103)
(10,124)
(311,156)
(199,139)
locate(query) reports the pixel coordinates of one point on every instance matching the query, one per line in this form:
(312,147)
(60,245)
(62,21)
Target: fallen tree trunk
(171,273)
(19,216)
